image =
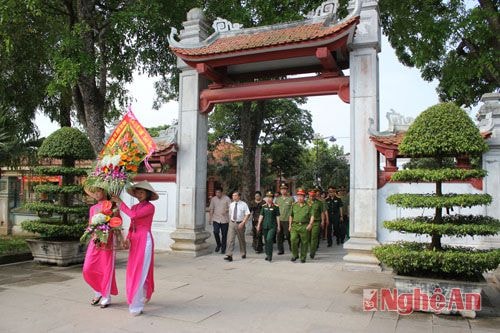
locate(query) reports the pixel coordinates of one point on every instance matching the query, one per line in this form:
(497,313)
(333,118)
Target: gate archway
(232,64)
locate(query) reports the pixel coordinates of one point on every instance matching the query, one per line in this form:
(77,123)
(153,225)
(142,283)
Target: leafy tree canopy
(456,42)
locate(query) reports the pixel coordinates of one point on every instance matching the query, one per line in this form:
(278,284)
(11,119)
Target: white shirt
(241,211)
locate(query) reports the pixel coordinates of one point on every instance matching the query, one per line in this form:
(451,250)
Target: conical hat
(145,185)
(90,191)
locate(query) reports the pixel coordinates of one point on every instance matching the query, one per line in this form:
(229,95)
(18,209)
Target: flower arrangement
(117,165)
(101,225)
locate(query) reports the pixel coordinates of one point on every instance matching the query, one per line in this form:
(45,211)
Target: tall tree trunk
(89,98)
(438,217)
(251,122)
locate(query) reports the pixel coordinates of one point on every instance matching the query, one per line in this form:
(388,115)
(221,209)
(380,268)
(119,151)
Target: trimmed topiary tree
(440,132)
(69,145)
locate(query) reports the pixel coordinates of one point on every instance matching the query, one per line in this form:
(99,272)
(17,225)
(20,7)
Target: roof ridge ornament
(326,8)
(223,25)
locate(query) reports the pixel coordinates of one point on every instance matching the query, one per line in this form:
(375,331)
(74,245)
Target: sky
(401,89)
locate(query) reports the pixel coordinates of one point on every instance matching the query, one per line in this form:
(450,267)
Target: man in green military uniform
(284,202)
(299,223)
(269,221)
(317,212)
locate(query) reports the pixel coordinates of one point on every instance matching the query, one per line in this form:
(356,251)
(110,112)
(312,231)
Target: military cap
(270,194)
(283,185)
(301,191)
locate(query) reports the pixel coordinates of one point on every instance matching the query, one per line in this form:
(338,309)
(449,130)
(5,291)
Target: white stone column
(364,101)
(190,235)
(489,116)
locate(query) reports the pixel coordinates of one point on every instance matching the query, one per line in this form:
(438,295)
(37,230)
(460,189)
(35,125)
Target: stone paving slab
(207,294)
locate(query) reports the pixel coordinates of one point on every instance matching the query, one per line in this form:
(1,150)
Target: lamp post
(317,137)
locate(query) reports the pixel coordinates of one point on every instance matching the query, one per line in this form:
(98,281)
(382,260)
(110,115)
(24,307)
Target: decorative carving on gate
(329,7)
(223,25)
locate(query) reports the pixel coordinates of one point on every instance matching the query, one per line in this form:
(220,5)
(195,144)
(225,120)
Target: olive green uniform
(285,206)
(317,209)
(269,225)
(301,215)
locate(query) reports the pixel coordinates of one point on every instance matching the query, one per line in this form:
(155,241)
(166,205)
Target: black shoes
(244,256)
(95,300)
(312,256)
(217,248)
(281,252)
(228,258)
(302,260)
(293,259)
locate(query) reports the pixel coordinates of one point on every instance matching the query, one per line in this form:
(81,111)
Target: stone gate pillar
(190,235)
(364,101)
(489,116)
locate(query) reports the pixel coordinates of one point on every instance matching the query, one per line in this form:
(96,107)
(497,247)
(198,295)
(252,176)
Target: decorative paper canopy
(129,129)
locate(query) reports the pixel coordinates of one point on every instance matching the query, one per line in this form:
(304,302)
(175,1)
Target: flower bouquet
(116,166)
(102,225)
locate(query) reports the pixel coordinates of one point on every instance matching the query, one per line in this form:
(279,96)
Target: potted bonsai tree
(441,132)
(62,222)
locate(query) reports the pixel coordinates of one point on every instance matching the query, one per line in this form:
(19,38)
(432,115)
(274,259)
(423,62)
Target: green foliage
(13,244)
(50,207)
(51,188)
(430,163)
(439,175)
(67,142)
(54,231)
(406,200)
(452,225)
(442,130)
(55,171)
(455,42)
(155,131)
(326,162)
(415,259)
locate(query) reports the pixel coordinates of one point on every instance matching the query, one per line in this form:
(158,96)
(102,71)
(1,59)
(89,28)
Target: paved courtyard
(207,294)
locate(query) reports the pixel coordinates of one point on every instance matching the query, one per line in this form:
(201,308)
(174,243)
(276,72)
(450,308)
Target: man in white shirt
(219,217)
(238,215)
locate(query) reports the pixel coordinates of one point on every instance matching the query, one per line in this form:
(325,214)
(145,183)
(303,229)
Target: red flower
(115,222)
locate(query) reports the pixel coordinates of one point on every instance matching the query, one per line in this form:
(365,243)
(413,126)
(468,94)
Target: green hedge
(67,142)
(414,259)
(50,188)
(452,225)
(407,200)
(59,171)
(49,207)
(51,231)
(438,175)
(443,130)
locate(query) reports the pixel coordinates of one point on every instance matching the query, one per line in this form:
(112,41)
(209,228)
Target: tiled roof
(266,38)
(393,140)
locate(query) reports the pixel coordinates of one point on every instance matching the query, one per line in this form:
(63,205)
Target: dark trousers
(257,243)
(339,228)
(270,235)
(283,234)
(218,229)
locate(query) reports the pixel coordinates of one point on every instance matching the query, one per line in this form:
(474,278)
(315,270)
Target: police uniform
(300,217)
(285,206)
(268,222)
(317,210)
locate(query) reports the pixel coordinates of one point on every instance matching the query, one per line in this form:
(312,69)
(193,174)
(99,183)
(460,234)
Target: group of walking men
(301,222)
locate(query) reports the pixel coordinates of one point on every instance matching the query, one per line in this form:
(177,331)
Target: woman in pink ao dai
(139,278)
